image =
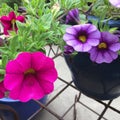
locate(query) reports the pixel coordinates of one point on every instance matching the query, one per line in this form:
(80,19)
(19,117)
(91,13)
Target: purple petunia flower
(107,49)
(72,17)
(68,49)
(115,3)
(82,37)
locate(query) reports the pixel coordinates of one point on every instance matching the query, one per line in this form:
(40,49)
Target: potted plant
(91,47)
(26,72)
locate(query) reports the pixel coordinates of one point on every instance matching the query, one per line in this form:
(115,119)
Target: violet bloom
(30,76)
(72,17)
(9,22)
(107,50)
(115,3)
(68,49)
(82,37)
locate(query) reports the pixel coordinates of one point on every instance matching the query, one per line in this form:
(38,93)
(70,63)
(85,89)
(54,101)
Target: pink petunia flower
(30,76)
(9,22)
(2,90)
(107,49)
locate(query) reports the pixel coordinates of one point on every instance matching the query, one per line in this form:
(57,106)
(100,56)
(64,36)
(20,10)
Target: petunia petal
(93,42)
(16,67)
(15,92)
(114,55)
(86,47)
(85,27)
(114,47)
(78,47)
(99,58)
(71,31)
(47,86)
(2,87)
(68,37)
(6,31)
(92,29)
(93,54)
(48,65)
(73,43)
(2,90)
(78,28)
(106,36)
(107,57)
(5,21)
(48,75)
(12,15)
(94,35)
(115,3)
(13,80)
(1,94)
(24,59)
(38,60)
(20,18)
(31,89)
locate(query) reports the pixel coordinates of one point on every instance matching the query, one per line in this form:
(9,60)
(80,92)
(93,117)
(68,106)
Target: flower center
(102,45)
(82,38)
(13,21)
(29,71)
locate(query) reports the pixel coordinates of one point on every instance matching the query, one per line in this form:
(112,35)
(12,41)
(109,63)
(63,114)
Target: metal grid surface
(109,110)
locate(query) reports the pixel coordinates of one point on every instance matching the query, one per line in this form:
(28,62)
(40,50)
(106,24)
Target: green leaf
(46,20)
(26,1)
(2,71)
(13,44)
(112,30)
(4,60)
(69,4)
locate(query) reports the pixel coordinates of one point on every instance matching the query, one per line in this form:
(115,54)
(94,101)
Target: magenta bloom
(30,76)
(107,49)
(9,22)
(115,3)
(2,90)
(72,17)
(82,37)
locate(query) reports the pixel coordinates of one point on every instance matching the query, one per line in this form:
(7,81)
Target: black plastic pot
(99,81)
